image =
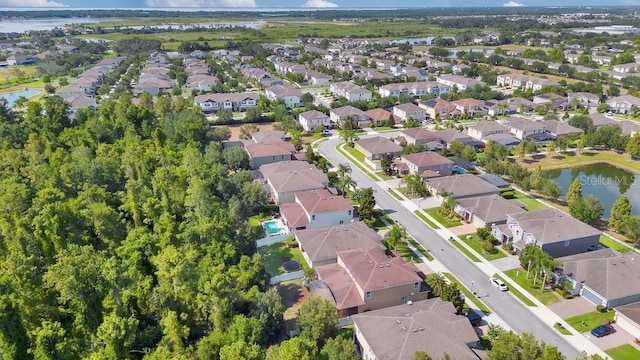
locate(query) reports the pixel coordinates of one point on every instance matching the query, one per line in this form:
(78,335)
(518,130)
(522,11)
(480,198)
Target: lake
(13,96)
(604,181)
(21,26)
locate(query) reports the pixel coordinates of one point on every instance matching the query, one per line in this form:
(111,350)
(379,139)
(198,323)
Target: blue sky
(303,3)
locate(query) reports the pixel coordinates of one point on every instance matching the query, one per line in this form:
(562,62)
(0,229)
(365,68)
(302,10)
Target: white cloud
(512,4)
(31,3)
(319,4)
(202,3)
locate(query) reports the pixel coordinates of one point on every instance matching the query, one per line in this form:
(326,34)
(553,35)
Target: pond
(604,181)
(13,96)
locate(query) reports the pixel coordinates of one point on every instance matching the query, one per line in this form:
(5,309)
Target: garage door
(591,296)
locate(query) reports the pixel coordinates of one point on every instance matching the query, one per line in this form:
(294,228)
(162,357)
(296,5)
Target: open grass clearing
(404,251)
(448,223)
(612,244)
(422,217)
(274,255)
(530,204)
(467,293)
(517,293)
(346,154)
(561,329)
(520,276)
(571,159)
(474,242)
(464,250)
(624,352)
(586,322)
(379,220)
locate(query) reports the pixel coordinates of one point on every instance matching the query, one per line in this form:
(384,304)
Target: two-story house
(311,119)
(408,111)
(524,129)
(351,91)
(287,93)
(481,129)
(317,208)
(235,101)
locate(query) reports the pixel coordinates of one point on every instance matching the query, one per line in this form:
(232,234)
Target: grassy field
(464,250)
(517,293)
(479,304)
(588,321)
(421,248)
(474,242)
(530,204)
(519,276)
(435,213)
(624,352)
(422,217)
(587,157)
(275,254)
(9,76)
(561,329)
(611,244)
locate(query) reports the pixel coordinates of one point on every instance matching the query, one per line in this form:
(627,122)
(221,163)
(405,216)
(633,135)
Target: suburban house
(282,184)
(408,111)
(460,186)
(447,136)
(350,91)
(419,135)
(428,160)
(524,82)
(628,318)
(487,211)
(439,108)
(558,128)
(338,115)
(626,68)
(600,120)
(622,104)
(399,332)
(510,106)
(481,129)
(373,148)
(584,99)
(554,100)
(269,152)
(234,101)
(604,277)
(369,279)
(287,93)
(555,232)
(317,208)
(460,82)
(469,106)
(312,119)
(316,78)
(320,246)
(414,89)
(378,115)
(629,128)
(22,60)
(524,129)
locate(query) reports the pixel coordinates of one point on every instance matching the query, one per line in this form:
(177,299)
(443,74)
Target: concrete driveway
(620,337)
(572,307)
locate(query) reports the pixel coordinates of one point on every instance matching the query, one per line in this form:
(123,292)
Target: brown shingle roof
(419,133)
(427,158)
(324,243)
(321,201)
(463,185)
(379,145)
(430,325)
(492,208)
(550,226)
(275,148)
(378,114)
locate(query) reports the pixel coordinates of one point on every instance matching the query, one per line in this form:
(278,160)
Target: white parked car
(498,284)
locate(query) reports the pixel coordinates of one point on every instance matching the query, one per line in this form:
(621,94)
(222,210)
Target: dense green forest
(125,235)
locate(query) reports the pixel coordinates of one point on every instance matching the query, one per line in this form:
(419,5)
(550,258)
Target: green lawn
(357,164)
(590,320)
(479,304)
(421,248)
(517,293)
(464,250)
(395,195)
(383,175)
(519,276)
(355,153)
(530,204)
(586,158)
(256,219)
(435,213)
(612,244)
(422,217)
(383,129)
(378,223)
(275,254)
(403,250)
(561,329)
(473,241)
(624,352)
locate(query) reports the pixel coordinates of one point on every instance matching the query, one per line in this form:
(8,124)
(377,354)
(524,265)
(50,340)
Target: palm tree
(547,264)
(437,281)
(346,183)
(414,184)
(396,235)
(343,169)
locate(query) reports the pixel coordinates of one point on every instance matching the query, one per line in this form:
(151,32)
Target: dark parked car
(603,330)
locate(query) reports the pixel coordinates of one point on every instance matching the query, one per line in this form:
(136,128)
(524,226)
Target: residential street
(503,304)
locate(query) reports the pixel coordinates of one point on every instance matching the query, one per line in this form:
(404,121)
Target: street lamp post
(472,292)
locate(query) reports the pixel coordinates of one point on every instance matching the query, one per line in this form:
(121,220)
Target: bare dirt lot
(235,129)
(293,296)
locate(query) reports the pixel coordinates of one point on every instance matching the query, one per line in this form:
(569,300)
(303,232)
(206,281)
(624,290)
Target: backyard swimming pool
(13,96)
(274,227)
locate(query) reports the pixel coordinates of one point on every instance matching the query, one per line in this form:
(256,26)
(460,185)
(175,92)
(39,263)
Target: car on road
(603,330)
(498,284)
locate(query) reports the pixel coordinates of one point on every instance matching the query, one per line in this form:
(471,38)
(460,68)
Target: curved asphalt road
(519,318)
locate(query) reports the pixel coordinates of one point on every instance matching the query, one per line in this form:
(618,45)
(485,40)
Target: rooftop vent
(398,321)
